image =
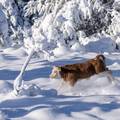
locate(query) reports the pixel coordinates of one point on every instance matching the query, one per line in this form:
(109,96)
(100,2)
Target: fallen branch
(18,82)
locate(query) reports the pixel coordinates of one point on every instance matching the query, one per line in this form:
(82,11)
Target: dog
(79,71)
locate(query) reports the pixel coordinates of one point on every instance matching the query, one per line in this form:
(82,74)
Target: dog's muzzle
(54,75)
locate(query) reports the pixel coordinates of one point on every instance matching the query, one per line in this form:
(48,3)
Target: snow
(3,27)
(61,50)
(103,45)
(58,32)
(2,116)
(5,87)
(40,98)
(78,47)
(70,24)
(45,24)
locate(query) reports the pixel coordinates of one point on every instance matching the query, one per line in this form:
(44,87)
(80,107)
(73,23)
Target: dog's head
(101,57)
(55,72)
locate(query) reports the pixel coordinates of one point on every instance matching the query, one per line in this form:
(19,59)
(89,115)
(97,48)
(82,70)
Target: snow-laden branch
(3,28)
(18,82)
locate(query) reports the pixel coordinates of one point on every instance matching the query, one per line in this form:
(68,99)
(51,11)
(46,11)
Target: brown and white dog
(74,72)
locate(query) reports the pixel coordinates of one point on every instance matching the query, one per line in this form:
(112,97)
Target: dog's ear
(101,57)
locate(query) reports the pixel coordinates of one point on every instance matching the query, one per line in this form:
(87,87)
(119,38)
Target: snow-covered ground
(64,32)
(40,98)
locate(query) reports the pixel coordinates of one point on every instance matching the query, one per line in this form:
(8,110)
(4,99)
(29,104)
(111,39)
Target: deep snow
(40,99)
(61,31)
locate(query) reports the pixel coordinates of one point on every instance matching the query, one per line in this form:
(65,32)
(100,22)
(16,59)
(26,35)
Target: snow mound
(41,114)
(60,51)
(34,90)
(15,51)
(101,45)
(5,87)
(30,90)
(77,47)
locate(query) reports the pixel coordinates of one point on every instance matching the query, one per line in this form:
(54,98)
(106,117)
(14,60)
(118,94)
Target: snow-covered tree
(58,20)
(4,40)
(61,21)
(14,20)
